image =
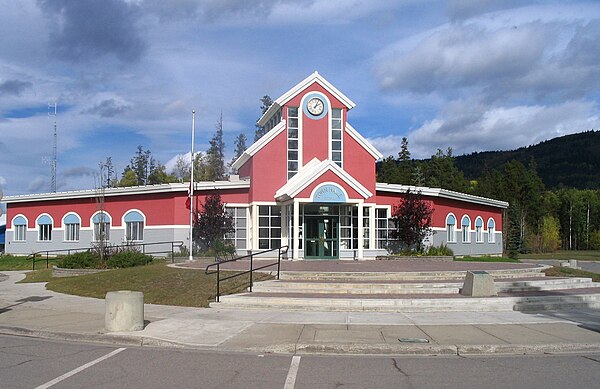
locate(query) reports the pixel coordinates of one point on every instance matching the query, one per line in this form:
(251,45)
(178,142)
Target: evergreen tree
(266,102)
(405,168)
(441,172)
(216,154)
(240,147)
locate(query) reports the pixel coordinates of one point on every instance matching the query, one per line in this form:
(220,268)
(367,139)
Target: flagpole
(191,258)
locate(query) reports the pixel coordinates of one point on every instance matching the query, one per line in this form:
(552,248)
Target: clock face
(315,106)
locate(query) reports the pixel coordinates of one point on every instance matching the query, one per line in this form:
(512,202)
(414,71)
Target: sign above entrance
(329,193)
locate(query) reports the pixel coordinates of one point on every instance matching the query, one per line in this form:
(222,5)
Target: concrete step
(408,276)
(398,287)
(427,304)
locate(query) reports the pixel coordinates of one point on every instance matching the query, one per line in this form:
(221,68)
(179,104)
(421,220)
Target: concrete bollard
(479,284)
(573,263)
(124,311)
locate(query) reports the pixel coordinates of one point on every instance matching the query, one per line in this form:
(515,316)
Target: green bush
(441,250)
(128,258)
(81,260)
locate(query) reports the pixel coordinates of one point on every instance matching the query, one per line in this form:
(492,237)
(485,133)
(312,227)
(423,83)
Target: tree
(128,178)
(405,168)
(441,172)
(412,221)
(158,175)
(212,223)
(216,154)
(182,168)
(240,147)
(266,102)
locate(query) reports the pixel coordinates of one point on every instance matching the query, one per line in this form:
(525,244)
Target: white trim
(259,144)
(363,142)
(312,194)
(296,89)
(442,193)
(313,170)
(468,231)
(44,214)
(130,190)
(12,221)
(67,214)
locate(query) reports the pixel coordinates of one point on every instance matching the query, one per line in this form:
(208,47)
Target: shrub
(441,250)
(128,258)
(81,260)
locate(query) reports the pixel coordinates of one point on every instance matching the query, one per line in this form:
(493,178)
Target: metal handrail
(280,251)
(173,243)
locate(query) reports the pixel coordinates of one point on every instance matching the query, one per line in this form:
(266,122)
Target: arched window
(491,227)
(44,223)
(72,224)
(101,222)
(479,230)
(450,228)
(466,227)
(134,226)
(19,225)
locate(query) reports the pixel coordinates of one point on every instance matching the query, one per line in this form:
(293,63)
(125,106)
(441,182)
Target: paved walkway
(31,310)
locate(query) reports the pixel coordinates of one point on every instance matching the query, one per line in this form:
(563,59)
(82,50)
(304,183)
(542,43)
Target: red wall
(328,176)
(442,207)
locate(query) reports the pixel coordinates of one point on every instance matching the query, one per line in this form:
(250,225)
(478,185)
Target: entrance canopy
(323,182)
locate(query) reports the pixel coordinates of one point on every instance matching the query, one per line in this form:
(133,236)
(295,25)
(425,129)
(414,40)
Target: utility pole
(191,258)
(52,107)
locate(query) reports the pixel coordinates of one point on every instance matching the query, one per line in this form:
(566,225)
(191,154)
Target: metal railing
(280,251)
(52,254)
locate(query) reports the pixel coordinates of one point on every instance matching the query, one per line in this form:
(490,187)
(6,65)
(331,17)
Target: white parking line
(80,368)
(290,381)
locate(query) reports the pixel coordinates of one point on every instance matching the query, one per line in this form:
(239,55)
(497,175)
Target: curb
(315,348)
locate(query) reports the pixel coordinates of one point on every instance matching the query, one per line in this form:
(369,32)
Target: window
(44,223)
(275,119)
(269,227)
(134,226)
(72,225)
(479,230)
(238,236)
(491,226)
(293,148)
(450,228)
(466,226)
(336,136)
(101,222)
(20,227)
(382,228)
(349,227)
(366,229)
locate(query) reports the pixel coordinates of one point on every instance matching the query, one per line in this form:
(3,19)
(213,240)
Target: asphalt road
(35,363)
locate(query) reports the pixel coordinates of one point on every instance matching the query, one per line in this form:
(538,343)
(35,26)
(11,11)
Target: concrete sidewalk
(31,310)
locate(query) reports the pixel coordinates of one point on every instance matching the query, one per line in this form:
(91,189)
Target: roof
(363,142)
(313,170)
(290,94)
(259,144)
(127,191)
(442,193)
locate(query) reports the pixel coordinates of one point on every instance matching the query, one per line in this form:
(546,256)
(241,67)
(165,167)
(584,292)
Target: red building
(309,183)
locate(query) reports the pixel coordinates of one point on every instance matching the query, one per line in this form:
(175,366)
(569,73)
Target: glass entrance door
(321,237)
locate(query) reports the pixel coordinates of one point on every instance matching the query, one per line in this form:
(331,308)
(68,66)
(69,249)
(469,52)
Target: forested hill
(570,161)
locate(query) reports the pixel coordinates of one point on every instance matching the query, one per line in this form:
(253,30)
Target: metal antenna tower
(54,147)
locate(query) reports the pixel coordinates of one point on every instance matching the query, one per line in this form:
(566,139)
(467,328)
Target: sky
(473,75)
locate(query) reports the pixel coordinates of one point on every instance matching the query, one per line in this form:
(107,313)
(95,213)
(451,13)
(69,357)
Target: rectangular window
(101,231)
(72,232)
(336,136)
(238,236)
(465,234)
(382,227)
(292,150)
(20,233)
(134,231)
(45,232)
(366,229)
(269,227)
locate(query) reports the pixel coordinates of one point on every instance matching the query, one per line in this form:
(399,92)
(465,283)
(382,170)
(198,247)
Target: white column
(372,228)
(360,231)
(296,238)
(284,226)
(254,227)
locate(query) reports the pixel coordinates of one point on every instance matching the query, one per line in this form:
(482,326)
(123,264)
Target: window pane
(293,144)
(336,145)
(293,133)
(293,166)
(336,156)
(293,155)
(293,111)
(336,135)
(263,209)
(336,113)
(293,123)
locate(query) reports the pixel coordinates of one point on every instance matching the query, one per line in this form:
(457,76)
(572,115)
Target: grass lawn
(581,255)
(486,259)
(10,262)
(160,284)
(568,272)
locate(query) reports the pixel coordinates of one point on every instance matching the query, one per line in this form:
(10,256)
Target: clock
(315,106)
